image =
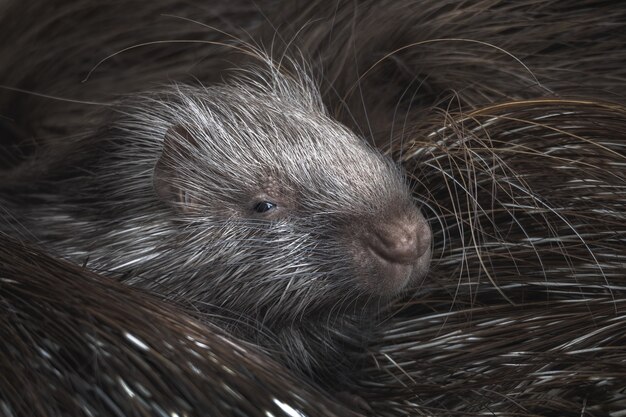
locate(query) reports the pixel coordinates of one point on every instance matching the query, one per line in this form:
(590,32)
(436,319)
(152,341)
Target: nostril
(425,237)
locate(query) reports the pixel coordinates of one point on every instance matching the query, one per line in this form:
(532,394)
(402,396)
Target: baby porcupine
(244,201)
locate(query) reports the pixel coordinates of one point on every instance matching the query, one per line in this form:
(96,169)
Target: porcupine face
(285,211)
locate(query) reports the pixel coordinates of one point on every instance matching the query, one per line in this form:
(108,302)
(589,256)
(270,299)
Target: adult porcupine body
(386,65)
(243,200)
(76,344)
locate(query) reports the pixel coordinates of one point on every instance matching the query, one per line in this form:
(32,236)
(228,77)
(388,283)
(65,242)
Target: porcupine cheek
(393,254)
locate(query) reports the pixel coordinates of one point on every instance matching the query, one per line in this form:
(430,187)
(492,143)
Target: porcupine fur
(386,64)
(524,316)
(140,46)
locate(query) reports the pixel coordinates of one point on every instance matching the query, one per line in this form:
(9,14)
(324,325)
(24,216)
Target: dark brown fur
(177,49)
(385,65)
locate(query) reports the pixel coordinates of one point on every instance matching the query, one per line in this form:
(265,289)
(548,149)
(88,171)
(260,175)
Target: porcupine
(242,200)
(82,345)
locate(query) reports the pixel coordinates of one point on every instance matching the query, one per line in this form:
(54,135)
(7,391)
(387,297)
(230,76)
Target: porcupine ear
(169,175)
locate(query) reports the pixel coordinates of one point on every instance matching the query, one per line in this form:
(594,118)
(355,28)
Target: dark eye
(264,206)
